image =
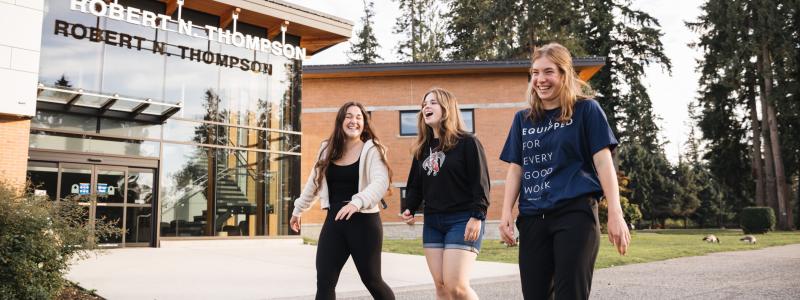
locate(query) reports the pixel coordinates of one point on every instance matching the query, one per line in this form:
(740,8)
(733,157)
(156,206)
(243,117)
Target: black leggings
(361,237)
(557,251)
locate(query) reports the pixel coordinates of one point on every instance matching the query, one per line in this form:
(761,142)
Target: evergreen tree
(420,23)
(365,49)
(750,48)
(688,197)
(63,82)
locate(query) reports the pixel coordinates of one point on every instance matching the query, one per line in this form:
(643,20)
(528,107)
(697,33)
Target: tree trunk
(769,165)
(757,163)
(780,178)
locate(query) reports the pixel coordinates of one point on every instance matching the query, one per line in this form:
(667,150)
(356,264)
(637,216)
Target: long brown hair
(572,87)
(451,127)
(334,149)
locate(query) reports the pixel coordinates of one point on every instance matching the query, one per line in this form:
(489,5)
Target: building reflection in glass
(229,158)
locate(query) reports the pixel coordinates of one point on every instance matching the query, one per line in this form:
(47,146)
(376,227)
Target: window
(408,121)
(403,202)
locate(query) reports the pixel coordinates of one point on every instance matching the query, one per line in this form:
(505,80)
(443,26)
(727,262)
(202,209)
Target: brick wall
(321,97)
(14,133)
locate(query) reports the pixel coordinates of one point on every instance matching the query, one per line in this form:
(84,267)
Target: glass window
(185,206)
(68,58)
(139,221)
(193,82)
(130,129)
(186,131)
(44,178)
(467,115)
(408,121)
(240,191)
(80,143)
(142,77)
(403,191)
(141,186)
(62,121)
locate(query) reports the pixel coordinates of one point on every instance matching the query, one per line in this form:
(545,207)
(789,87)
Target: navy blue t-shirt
(556,158)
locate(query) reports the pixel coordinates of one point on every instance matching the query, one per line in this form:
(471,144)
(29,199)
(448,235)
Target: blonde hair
(451,126)
(572,87)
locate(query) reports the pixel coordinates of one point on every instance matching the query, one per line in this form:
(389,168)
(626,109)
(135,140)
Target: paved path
(238,269)
(284,269)
(770,273)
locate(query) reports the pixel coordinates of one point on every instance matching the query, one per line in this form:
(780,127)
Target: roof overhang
(317,30)
(585,66)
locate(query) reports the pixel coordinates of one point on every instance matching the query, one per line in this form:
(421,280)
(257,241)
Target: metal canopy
(97,104)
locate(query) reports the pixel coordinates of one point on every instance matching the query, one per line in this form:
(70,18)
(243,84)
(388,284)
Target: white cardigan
(373,181)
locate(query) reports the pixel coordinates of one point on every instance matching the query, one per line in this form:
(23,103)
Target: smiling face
(547,80)
(431,111)
(353,124)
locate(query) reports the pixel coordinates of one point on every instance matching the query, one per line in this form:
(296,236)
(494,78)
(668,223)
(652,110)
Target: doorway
(121,195)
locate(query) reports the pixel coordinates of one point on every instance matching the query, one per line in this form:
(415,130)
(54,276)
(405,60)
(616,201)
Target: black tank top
(342,182)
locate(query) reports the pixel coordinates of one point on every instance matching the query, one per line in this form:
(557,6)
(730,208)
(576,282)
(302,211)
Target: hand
(295,223)
(473,230)
(618,233)
(507,230)
(346,212)
(408,217)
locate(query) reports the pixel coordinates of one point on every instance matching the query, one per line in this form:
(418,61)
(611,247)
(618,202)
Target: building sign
(118,39)
(159,21)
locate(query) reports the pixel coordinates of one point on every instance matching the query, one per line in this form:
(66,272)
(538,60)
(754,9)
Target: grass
(646,246)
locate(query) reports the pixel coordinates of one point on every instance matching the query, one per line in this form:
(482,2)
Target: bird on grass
(748,239)
(711,238)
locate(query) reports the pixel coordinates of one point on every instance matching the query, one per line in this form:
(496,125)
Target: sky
(670,93)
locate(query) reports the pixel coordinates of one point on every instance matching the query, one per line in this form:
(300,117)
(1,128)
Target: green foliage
(365,49)
(420,21)
(734,36)
(631,212)
(757,219)
(38,240)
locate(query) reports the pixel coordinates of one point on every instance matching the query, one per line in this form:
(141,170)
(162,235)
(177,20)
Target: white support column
(20,46)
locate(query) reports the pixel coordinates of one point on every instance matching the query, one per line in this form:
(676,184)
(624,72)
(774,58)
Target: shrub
(757,219)
(631,211)
(38,240)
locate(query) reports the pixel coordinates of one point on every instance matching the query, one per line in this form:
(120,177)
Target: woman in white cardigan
(350,178)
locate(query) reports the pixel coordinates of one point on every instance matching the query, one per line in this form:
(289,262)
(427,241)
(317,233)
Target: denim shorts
(446,231)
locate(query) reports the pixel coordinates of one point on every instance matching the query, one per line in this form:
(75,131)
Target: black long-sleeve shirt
(452,181)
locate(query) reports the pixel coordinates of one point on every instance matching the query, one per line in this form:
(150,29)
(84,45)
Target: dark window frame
(400,122)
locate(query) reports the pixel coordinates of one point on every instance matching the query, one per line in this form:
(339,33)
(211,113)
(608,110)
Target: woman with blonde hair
(449,174)
(559,155)
(350,177)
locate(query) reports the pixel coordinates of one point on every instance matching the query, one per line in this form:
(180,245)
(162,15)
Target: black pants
(361,237)
(557,251)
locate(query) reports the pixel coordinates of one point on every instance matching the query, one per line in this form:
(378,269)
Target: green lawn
(645,246)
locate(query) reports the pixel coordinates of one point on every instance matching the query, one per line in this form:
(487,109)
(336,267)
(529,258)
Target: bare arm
(512,184)
(618,233)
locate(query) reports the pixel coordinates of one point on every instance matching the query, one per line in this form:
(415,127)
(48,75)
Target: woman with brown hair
(350,177)
(559,155)
(449,174)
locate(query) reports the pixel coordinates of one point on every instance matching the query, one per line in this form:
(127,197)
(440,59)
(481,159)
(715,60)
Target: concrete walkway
(280,269)
(770,273)
(239,269)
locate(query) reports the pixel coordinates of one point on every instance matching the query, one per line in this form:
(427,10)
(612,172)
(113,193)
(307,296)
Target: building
(174,119)
(489,93)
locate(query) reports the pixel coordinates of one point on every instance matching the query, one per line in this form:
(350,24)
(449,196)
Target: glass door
(120,195)
(109,191)
(75,182)
(140,192)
